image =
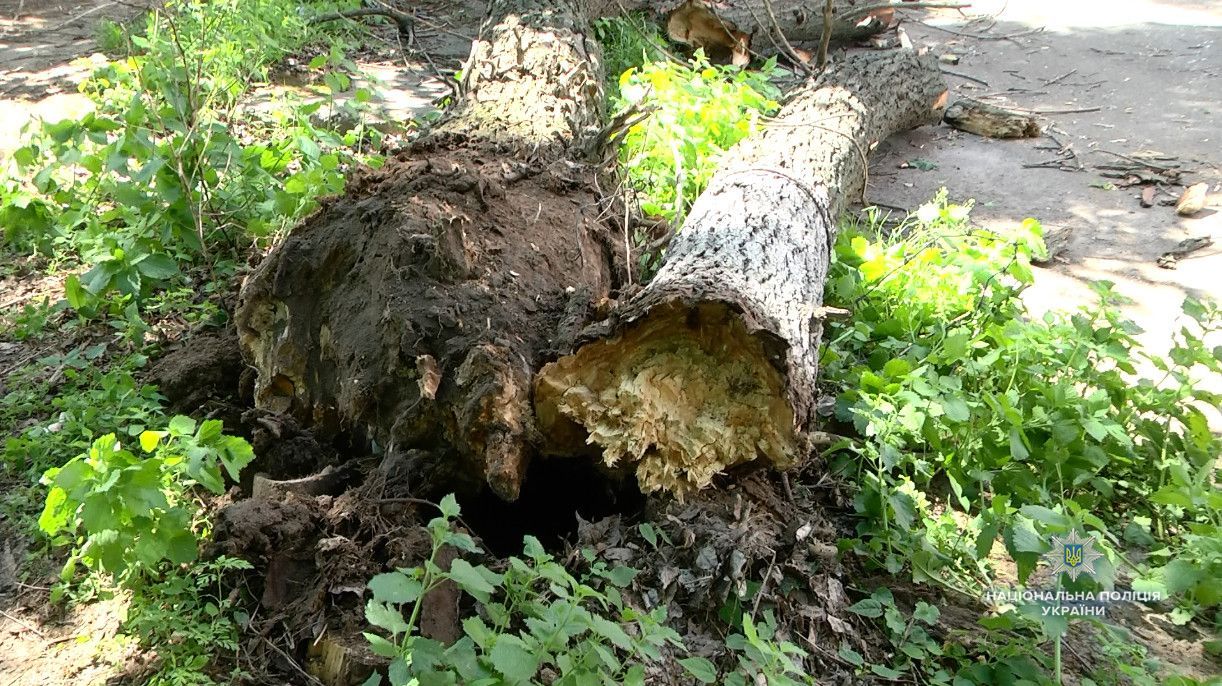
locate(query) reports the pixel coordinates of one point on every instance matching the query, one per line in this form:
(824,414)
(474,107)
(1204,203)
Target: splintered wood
(681,397)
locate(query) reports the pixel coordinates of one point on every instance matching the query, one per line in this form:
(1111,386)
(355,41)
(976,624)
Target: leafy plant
(762,657)
(163,169)
(979,422)
(190,619)
(696,111)
(126,514)
(533,616)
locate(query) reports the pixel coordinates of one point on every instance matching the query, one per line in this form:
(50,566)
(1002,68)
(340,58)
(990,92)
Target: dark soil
(414,310)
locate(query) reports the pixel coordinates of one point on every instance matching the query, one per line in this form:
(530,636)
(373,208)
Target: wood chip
(1193,200)
(1147,196)
(1169,259)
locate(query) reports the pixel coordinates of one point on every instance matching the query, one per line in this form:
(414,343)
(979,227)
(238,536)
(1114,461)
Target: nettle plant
(533,617)
(125,513)
(980,422)
(164,169)
(696,111)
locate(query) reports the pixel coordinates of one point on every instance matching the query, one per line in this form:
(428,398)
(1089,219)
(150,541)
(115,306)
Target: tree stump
(714,363)
(414,310)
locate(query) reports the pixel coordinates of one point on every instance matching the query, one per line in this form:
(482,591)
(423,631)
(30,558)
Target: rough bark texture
(533,82)
(990,121)
(414,310)
(714,363)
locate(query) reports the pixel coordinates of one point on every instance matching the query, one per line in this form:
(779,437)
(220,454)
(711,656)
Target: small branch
(977,36)
(403,20)
(1142,162)
(793,54)
(826,38)
(965,76)
(23,623)
(862,11)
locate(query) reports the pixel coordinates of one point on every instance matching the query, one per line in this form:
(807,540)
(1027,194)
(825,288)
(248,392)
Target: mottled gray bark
(733,318)
(533,82)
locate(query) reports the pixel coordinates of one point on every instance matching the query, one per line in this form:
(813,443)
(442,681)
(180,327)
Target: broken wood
(1171,258)
(730,30)
(990,121)
(414,310)
(713,364)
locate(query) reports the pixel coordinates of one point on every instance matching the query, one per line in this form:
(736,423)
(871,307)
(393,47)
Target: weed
(697,111)
(126,514)
(189,618)
(533,616)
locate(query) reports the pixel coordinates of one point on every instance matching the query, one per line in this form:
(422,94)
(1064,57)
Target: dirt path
(1152,71)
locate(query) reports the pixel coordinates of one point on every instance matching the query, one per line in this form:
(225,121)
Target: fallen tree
(732,30)
(714,363)
(414,310)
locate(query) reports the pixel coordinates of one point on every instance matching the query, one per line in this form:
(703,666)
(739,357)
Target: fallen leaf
(430,376)
(1192,201)
(1147,196)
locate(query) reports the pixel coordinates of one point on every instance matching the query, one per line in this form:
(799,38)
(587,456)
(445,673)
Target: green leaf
(449,507)
(381,646)
(182,426)
(621,576)
(158,267)
(886,672)
(510,657)
(76,296)
(384,617)
(851,656)
(395,588)
(471,580)
(924,612)
(700,668)
(867,607)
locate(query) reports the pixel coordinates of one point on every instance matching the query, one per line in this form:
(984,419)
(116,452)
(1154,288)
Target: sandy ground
(1153,70)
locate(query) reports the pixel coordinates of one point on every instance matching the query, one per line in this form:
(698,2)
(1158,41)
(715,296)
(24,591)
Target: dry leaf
(430,376)
(1147,196)
(1192,201)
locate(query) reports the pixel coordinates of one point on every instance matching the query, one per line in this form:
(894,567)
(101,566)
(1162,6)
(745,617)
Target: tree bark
(729,30)
(714,363)
(414,310)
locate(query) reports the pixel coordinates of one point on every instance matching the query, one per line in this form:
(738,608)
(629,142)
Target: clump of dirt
(201,371)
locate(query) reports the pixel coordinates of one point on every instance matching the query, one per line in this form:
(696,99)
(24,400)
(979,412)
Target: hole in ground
(554,492)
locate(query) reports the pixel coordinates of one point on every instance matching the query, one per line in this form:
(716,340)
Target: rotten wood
(990,121)
(713,364)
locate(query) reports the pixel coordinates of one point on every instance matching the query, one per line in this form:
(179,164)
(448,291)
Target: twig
(292,663)
(965,76)
(23,623)
(1069,111)
(84,14)
(793,54)
(866,9)
(1065,148)
(1143,163)
(826,38)
(1066,75)
(978,36)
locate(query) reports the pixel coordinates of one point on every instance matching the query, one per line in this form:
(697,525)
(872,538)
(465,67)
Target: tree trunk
(414,310)
(730,30)
(714,363)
